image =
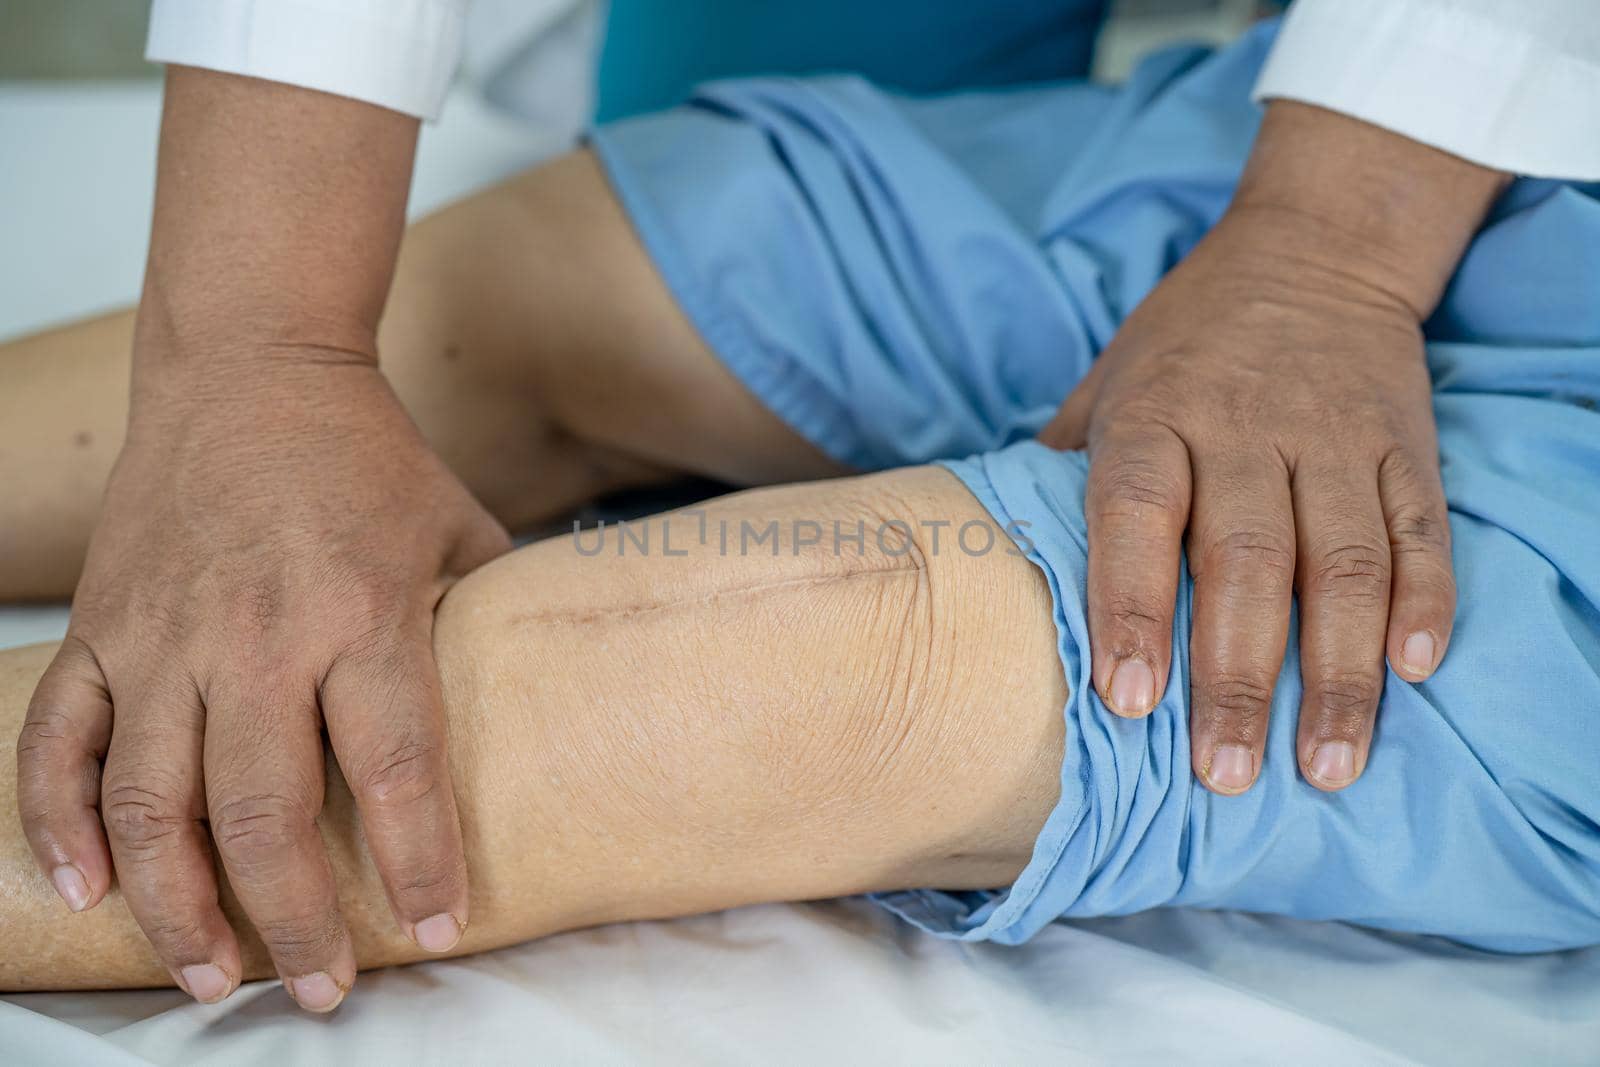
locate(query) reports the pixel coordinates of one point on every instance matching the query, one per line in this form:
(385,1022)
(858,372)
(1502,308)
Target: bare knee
(797,709)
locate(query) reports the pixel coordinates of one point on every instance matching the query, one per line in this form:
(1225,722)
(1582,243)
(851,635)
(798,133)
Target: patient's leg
(651,735)
(528,335)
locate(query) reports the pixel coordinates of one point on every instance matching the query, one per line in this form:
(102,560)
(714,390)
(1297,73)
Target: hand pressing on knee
(274,539)
(233,606)
(1268,404)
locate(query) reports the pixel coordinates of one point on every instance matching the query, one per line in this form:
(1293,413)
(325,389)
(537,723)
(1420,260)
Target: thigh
(652,723)
(527,333)
(534,307)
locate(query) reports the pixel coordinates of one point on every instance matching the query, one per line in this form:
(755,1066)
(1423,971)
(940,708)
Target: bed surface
(838,981)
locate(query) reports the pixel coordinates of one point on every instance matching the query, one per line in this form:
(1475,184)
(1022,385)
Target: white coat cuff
(399,54)
(1488,91)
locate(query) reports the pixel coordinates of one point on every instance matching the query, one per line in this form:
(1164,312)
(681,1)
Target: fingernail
(1133,687)
(1232,768)
(438,933)
(1417,653)
(72,886)
(315,992)
(205,982)
(1334,763)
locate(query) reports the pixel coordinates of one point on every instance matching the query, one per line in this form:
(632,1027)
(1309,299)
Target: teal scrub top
(655,51)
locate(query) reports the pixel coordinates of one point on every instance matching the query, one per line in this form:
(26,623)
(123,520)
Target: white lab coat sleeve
(1510,84)
(399,54)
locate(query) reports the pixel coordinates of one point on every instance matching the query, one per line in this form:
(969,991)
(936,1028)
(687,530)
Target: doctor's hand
(273,540)
(266,567)
(1268,408)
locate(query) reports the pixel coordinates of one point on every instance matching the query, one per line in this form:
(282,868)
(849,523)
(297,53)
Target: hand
(273,543)
(1269,401)
(1277,407)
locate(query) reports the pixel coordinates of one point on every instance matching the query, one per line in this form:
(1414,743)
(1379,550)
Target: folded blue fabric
(1478,816)
(908,281)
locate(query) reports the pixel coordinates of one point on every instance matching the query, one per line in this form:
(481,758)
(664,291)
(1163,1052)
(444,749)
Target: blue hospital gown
(914,280)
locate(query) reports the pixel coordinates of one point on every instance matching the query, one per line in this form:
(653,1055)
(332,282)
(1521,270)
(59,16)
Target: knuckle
(142,818)
(1420,544)
(1241,701)
(1242,557)
(258,826)
(310,937)
(1419,528)
(1136,611)
(426,877)
(1349,697)
(177,935)
(1355,571)
(45,736)
(404,774)
(47,787)
(1132,484)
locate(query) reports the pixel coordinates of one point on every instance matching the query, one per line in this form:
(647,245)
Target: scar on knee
(741,591)
(902,558)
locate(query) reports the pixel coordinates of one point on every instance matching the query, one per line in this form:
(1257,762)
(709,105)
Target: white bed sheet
(835,982)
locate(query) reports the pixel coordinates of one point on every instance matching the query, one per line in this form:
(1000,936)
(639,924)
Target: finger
(1242,556)
(1137,505)
(1422,606)
(59,750)
(154,807)
(264,788)
(386,722)
(1343,577)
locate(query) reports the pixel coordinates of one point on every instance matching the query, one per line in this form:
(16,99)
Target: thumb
(1069,430)
(481,540)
